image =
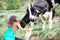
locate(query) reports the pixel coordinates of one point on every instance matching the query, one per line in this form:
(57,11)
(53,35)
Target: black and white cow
(42,9)
(57,1)
(32,12)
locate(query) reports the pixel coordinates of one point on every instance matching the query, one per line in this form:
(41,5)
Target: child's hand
(27,30)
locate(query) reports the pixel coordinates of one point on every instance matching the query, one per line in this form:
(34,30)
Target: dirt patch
(56,19)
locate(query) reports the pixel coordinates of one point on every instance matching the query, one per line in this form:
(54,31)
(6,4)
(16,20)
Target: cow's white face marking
(52,1)
(30,13)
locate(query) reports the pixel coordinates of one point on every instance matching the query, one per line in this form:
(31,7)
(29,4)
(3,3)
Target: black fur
(50,7)
(57,1)
(50,4)
(25,20)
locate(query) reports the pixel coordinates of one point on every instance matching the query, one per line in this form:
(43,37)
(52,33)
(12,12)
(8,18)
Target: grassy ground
(46,34)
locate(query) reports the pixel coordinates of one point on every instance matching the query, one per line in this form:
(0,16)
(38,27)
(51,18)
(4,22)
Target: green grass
(58,10)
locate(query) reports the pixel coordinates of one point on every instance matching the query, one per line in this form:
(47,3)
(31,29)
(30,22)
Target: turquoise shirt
(9,34)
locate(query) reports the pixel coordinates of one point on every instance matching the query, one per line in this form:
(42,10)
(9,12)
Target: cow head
(32,12)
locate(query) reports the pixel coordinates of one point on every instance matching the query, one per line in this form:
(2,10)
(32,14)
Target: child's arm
(23,29)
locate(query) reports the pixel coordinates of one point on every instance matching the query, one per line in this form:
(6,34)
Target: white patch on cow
(30,14)
(46,15)
(50,20)
(44,24)
(52,1)
(37,11)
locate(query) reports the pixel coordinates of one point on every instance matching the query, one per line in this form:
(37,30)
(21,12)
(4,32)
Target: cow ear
(32,7)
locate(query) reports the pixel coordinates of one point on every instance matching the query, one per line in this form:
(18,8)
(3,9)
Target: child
(12,27)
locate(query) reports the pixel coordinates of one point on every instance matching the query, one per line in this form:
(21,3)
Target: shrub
(3,5)
(13,4)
